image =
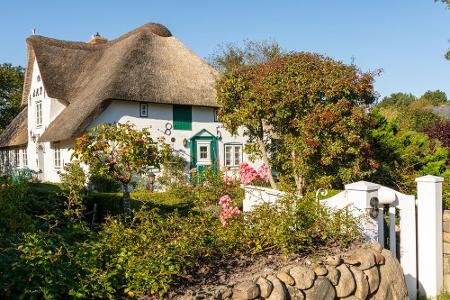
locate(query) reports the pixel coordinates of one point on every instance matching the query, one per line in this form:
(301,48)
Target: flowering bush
(249,175)
(227,211)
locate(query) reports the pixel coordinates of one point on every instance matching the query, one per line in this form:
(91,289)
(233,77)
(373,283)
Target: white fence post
(429,233)
(359,194)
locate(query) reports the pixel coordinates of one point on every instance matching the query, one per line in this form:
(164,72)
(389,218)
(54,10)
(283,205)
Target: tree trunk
(126,199)
(265,159)
(299,180)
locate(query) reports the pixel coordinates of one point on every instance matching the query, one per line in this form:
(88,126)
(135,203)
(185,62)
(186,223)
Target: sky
(407,39)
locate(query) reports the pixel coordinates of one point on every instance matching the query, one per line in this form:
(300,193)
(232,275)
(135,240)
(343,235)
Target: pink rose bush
(227,211)
(249,175)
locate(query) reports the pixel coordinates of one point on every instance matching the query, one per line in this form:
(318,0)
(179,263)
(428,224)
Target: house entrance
(203,151)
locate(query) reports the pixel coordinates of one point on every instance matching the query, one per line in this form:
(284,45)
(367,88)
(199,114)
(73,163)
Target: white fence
(420,236)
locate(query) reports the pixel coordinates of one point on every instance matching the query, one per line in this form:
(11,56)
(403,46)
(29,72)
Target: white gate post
(359,194)
(429,235)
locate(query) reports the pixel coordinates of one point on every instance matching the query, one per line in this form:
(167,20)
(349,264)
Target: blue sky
(405,38)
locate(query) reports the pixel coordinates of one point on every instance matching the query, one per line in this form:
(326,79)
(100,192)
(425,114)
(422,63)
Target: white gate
(420,238)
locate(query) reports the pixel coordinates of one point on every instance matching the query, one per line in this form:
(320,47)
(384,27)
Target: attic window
(38,78)
(143,109)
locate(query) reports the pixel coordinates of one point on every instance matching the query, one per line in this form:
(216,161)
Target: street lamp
(151,180)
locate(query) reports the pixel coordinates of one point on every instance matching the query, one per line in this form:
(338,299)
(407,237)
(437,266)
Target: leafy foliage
(436,97)
(230,56)
(398,99)
(404,155)
(118,150)
(309,106)
(11,83)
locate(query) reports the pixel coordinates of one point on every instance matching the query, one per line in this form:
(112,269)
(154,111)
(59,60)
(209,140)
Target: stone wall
(446,238)
(368,272)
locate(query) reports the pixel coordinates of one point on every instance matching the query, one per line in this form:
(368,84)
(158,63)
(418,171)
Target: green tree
(231,56)
(120,151)
(398,99)
(304,113)
(436,97)
(11,84)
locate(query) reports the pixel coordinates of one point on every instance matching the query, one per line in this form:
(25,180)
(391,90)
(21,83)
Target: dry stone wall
(368,272)
(446,246)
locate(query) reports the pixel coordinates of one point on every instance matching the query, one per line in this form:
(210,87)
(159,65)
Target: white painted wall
(50,109)
(159,115)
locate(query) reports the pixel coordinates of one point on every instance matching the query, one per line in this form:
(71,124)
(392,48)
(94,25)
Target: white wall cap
(362,186)
(430,178)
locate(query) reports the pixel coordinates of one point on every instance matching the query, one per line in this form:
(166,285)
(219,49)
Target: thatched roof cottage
(146,76)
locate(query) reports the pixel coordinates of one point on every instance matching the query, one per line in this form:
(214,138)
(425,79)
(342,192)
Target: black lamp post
(151,180)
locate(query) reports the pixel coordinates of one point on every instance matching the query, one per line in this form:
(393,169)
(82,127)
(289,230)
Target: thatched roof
(16,134)
(147,64)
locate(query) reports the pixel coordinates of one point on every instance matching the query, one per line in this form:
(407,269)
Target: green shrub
(103,183)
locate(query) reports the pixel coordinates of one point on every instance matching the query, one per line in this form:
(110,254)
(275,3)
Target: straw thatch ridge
(147,64)
(16,134)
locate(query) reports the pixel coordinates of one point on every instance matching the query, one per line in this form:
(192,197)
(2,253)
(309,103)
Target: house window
(24,157)
(182,117)
(143,109)
(16,157)
(38,113)
(203,152)
(56,156)
(233,155)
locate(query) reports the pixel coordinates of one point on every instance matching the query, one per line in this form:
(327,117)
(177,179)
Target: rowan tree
(305,115)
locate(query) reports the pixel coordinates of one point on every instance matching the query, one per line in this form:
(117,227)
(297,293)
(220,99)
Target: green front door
(203,151)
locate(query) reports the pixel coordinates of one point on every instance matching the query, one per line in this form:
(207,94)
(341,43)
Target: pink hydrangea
(247,173)
(227,211)
(263,173)
(224,201)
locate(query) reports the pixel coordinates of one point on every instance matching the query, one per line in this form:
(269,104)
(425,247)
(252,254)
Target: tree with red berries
(120,151)
(305,115)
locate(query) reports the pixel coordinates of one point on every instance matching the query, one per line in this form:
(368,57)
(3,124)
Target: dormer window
(38,114)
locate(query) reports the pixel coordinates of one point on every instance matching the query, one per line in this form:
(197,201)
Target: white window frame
(16,157)
(207,160)
(234,162)
(38,106)
(24,157)
(57,163)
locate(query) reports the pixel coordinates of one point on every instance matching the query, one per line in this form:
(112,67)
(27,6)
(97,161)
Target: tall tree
(447,55)
(310,109)
(231,56)
(398,99)
(436,97)
(11,84)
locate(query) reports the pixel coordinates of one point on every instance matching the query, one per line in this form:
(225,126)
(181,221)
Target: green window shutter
(182,117)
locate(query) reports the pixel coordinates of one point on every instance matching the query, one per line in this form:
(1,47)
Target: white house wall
(160,118)
(50,109)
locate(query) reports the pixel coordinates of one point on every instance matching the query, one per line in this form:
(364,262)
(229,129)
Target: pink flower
(247,173)
(224,201)
(263,173)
